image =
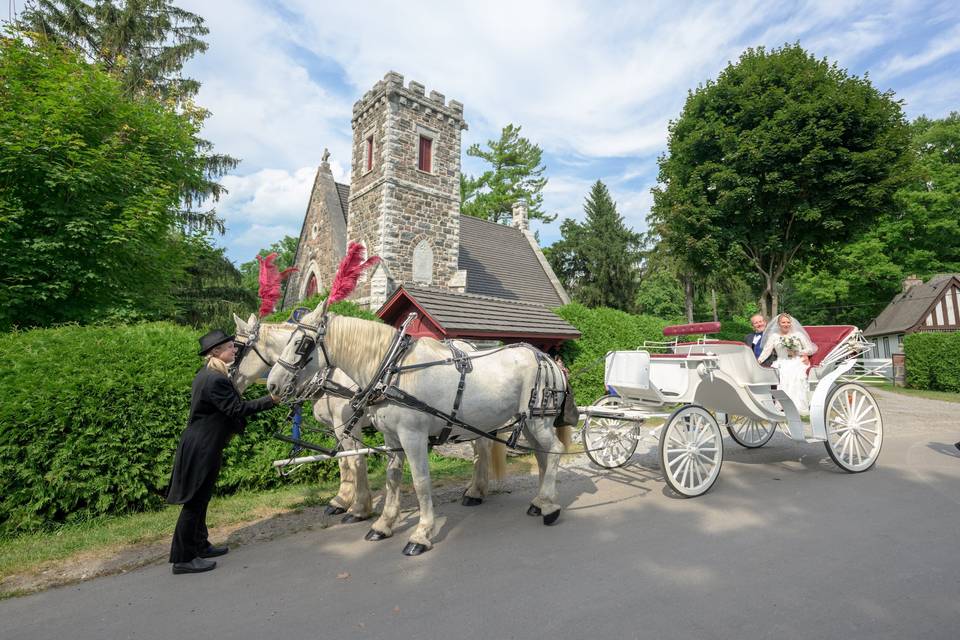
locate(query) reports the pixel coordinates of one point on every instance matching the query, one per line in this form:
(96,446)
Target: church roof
(343,192)
(500,262)
(909,308)
(468,315)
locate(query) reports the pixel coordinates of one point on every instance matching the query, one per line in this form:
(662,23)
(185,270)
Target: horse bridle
(249,344)
(308,344)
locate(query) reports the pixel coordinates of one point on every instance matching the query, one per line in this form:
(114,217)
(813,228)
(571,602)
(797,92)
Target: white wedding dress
(791,368)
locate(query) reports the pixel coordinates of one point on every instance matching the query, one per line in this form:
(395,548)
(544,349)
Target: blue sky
(594,84)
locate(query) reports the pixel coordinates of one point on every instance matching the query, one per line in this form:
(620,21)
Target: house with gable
(921,306)
(465,277)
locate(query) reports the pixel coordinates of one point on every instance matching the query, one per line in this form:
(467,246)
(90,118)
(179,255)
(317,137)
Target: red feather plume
(352,265)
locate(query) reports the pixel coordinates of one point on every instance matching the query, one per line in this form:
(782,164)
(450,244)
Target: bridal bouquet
(791,343)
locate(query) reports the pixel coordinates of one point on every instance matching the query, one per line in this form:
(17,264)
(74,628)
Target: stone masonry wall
(395,205)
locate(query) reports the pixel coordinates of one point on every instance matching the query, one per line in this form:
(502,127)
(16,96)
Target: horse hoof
(373,535)
(468,501)
(414,549)
(534,510)
(350,519)
(551,518)
(334,511)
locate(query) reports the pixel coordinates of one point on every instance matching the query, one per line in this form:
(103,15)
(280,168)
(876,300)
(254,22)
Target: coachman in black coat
(217,413)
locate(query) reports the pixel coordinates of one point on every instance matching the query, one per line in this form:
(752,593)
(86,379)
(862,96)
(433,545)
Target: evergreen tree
(598,260)
(144,44)
(212,290)
(516,175)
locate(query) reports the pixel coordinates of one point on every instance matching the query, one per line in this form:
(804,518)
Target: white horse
(261,345)
(497,392)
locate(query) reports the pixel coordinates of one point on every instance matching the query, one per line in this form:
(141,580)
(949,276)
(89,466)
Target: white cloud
(588,82)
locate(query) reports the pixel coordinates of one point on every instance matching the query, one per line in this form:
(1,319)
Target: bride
(793,346)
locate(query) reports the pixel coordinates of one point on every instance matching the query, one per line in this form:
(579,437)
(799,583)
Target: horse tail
(565,433)
(498,461)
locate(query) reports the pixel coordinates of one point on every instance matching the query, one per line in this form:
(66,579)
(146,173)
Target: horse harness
(384,385)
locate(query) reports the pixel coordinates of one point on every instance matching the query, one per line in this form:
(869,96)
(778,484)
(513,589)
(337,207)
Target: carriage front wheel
(609,442)
(691,451)
(854,428)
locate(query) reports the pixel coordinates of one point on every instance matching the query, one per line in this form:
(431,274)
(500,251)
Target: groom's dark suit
(753,340)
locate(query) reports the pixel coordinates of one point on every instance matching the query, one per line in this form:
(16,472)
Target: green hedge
(933,361)
(90,418)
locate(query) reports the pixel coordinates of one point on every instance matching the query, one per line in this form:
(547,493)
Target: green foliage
(660,294)
(783,155)
(933,361)
(597,260)
(919,235)
(602,330)
(286,250)
(91,418)
(211,290)
(343,308)
(90,187)
(144,45)
(516,175)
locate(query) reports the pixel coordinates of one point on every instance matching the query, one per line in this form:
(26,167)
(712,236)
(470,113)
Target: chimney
(911,282)
(520,216)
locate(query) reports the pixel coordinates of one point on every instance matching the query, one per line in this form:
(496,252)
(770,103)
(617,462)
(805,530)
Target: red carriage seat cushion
(827,337)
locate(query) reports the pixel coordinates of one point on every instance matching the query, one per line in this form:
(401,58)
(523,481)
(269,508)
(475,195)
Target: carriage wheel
(609,442)
(854,428)
(691,451)
(749,432)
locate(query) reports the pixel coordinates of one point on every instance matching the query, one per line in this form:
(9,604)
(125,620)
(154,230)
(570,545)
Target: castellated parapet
(404,209)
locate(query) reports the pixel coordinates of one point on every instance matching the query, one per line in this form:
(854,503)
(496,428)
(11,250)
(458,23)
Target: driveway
(784,546)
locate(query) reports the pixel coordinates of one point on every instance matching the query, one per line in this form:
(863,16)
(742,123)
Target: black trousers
(190,535)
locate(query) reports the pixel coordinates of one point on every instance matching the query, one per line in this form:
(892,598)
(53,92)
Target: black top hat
(213,339)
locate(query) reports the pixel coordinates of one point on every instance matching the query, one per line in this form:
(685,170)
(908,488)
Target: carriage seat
(827,337)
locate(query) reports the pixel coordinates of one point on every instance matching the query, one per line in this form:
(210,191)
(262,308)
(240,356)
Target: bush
(933,361)
(90,419)
(602,330)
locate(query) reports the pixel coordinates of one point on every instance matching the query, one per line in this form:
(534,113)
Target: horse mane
(359,344)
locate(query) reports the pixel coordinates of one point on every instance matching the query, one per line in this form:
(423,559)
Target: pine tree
(598,259)
(143,43)
(516,175)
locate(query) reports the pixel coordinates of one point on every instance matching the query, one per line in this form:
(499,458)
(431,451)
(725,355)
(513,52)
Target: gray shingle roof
(908,308)
(343,191)
(501,263)
(465,313)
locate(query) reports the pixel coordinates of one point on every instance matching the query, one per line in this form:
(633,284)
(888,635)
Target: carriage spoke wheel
(609,442)
(749,432)
(691,451)
(854,428)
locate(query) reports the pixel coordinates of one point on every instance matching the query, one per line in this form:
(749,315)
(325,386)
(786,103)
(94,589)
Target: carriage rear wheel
(691,451)
(609,442)
(750,432)
(854,428)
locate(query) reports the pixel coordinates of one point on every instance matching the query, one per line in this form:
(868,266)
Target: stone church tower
(405,187)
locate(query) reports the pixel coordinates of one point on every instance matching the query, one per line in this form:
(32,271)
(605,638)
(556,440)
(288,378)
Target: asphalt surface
(784,546)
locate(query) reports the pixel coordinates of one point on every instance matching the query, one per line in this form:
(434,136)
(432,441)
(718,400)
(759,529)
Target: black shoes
(197,565)
(957,445)
(213,552)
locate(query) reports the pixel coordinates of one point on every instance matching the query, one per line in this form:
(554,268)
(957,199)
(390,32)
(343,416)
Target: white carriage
(690,389)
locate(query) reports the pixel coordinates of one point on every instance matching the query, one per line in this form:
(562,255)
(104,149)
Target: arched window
(311,285)
(423,263)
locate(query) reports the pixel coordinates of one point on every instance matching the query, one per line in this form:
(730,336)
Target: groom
(753,340)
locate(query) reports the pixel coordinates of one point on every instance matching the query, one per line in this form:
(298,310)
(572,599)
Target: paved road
(784,546)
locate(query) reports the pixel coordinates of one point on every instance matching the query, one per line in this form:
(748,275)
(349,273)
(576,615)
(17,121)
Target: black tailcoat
(748,340)
(217,412)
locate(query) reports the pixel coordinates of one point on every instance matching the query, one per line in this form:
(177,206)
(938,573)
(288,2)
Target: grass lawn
(31,553)
(933,395)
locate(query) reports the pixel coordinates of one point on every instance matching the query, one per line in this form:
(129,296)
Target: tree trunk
(713,301)
(688,296)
